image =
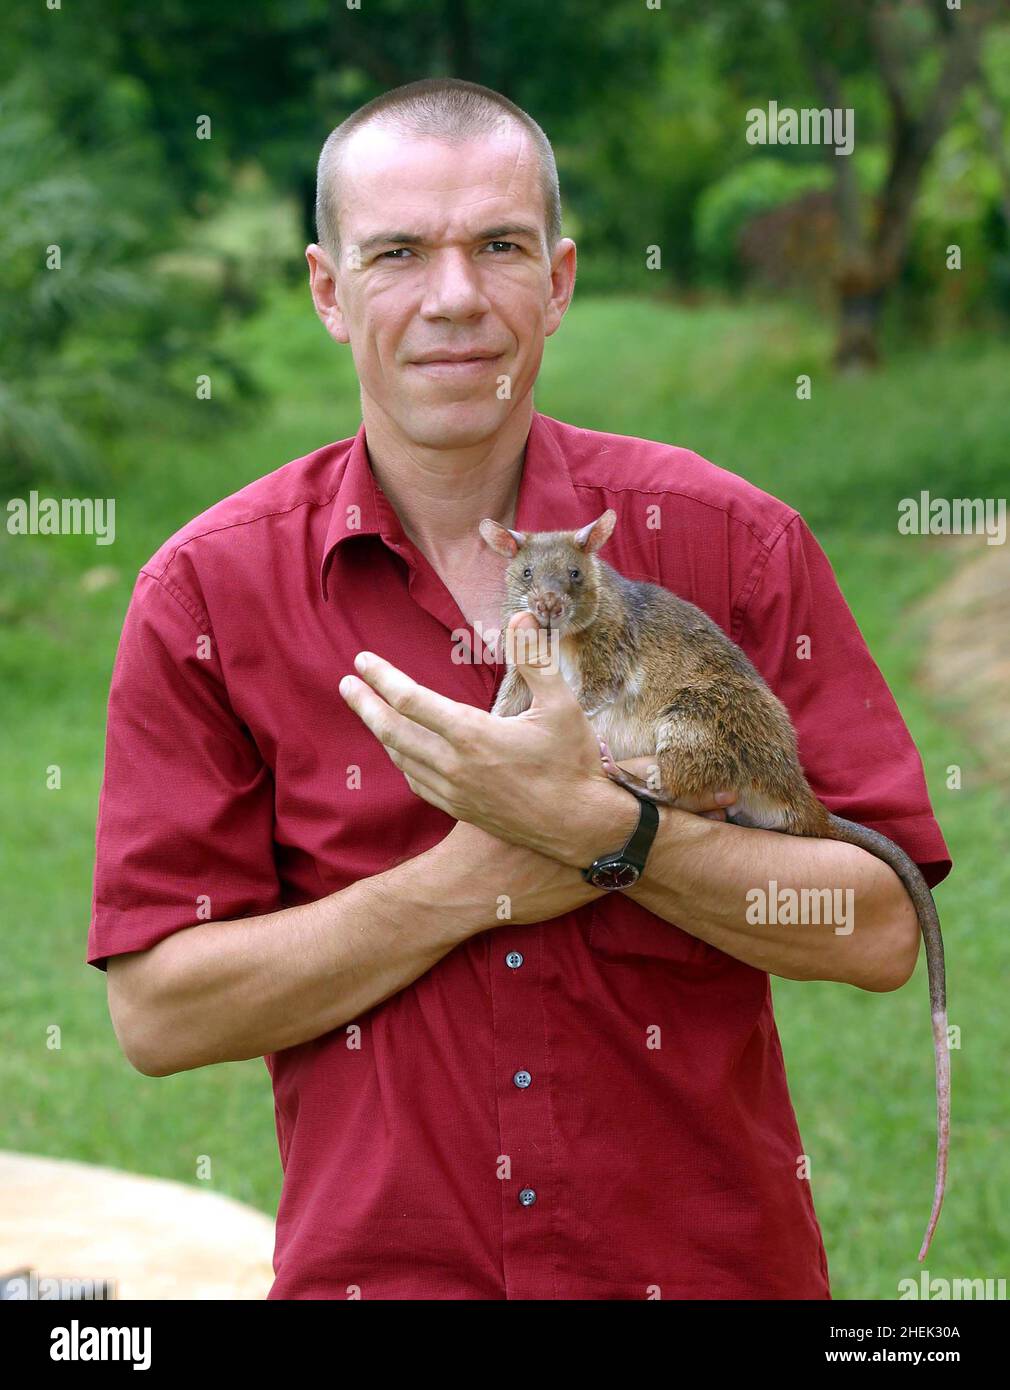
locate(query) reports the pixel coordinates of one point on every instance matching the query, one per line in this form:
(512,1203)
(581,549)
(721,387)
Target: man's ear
(597,533)
(323,287)
(500,538)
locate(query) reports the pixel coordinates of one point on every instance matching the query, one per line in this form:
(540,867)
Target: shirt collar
(547,500)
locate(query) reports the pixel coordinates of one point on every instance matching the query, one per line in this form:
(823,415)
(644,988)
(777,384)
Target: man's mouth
(456,366)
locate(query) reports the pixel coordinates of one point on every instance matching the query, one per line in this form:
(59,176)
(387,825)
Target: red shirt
(508,1127)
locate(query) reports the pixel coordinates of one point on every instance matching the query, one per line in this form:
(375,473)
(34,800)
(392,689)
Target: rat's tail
(929,922)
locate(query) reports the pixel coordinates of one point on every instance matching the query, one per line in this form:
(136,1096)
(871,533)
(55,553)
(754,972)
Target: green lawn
(720,381)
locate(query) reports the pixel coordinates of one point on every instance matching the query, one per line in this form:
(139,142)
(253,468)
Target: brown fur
(658,678)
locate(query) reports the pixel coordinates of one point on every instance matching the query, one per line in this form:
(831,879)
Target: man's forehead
(383,172)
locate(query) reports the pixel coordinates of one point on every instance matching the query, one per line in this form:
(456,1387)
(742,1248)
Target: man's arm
(227,991)
(699,872)
(186,819)
(537,780)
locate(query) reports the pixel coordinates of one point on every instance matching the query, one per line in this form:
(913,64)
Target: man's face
(444,290)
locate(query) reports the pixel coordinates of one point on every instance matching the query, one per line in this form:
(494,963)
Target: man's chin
(455,424)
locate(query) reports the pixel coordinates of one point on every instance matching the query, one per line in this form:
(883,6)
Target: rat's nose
(547,607)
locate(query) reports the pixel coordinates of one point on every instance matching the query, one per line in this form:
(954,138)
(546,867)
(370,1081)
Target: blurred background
(157,175)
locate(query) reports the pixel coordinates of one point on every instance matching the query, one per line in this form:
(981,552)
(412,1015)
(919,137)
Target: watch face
(619,875)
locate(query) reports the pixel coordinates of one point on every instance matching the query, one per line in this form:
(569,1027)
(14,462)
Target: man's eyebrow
(498,233)
(508,229)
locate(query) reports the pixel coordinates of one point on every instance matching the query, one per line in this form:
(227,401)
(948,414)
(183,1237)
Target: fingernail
(361,661)
(344,685)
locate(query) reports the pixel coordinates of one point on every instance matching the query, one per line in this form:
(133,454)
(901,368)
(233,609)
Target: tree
(919,55)
(277,78)
(873,248)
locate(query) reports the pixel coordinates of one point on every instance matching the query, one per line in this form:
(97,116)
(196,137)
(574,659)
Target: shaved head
(445,109)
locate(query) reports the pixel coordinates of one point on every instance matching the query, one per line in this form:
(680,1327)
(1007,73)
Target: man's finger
(707,802)
(423,780)
(416,702)
(393,730)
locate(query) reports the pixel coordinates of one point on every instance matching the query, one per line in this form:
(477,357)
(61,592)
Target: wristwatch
(624,867)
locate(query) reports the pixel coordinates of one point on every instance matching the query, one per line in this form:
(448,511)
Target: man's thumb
(536,652)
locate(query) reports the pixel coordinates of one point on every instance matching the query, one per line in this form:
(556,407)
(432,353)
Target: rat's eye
(527,573)
(576,574)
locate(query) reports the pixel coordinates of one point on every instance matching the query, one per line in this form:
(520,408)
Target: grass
(720,380)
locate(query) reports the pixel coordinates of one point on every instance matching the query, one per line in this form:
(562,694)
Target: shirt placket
(526,1165)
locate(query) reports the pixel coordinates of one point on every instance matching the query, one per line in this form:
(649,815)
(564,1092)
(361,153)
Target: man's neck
(441,495)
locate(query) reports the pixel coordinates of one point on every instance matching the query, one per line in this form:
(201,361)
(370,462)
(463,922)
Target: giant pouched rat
(658,678)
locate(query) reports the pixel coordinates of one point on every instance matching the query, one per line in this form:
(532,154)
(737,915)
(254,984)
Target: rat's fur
(658,678)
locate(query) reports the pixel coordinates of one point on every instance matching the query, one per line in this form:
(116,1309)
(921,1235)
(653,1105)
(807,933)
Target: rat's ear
(500,538)
(597,533)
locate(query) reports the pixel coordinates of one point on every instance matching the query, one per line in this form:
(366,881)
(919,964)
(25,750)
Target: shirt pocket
(622,930)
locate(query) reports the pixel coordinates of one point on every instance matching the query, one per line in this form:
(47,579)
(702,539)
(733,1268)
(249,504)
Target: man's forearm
(700,872)
(226,991)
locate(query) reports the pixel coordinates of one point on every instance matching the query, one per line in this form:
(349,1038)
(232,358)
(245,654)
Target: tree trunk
(873,258)
(857,345)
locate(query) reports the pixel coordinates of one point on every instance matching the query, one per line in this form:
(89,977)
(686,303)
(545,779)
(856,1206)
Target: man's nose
(452,287)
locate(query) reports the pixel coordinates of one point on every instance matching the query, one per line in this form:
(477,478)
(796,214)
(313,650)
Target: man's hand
(535,780)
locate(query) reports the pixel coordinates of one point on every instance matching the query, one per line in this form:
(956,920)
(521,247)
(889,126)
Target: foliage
(726,206)
(162,234)
(94,338)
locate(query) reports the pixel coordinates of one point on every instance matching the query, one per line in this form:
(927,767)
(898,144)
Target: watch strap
(640,841)
(636,849)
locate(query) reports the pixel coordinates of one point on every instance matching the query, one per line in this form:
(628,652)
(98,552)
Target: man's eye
(401,252)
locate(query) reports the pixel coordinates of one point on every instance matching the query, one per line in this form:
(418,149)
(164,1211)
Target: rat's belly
(621,723)
(627,734)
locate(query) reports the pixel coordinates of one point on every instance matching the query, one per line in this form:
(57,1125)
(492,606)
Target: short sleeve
(186,811)
(856,751)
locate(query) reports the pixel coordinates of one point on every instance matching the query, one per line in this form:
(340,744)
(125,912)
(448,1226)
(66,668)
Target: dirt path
(154,1238)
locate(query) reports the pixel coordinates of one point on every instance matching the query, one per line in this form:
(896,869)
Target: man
(491,1079)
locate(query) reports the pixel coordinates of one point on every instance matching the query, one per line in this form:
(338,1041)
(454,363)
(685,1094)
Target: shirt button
(514,959)
(523,1079)
(527,1197)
